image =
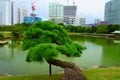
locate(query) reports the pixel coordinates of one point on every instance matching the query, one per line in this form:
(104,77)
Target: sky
(89,9)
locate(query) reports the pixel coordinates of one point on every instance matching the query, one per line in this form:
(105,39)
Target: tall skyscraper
(21,13)
(56,12)
(112,12)
(70,14)
(5,12)
(12,13)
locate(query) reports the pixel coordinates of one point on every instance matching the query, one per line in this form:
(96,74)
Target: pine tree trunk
(50,69)
(68,65)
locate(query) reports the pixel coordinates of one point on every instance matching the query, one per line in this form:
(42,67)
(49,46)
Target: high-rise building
(6,12)
(56,12)
(21,13)
(112,12)
(70,14)
(82,21)
(12,13)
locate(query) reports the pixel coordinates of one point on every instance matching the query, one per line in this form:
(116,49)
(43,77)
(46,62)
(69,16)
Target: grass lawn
(37,77)
(91,74)
(6,33)
(102,74)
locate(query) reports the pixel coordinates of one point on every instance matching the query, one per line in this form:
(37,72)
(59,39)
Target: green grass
(37,77)
(90,74)
(102,74)
(6,33)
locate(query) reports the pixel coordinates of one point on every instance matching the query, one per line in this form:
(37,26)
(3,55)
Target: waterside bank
(94,35)
(112,73)
(3,42)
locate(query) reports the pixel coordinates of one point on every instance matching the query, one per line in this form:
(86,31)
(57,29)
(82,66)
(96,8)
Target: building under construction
(70,14)
(63,13)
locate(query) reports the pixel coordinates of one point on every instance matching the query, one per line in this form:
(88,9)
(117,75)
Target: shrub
(1,36)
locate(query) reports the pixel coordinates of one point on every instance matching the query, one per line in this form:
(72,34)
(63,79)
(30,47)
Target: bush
(1,36)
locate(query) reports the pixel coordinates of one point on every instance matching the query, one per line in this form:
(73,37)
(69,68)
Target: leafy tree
(102,28)
(93,29)
(5,28)
(46,40)
(71,28)
(18,29)
(112,27)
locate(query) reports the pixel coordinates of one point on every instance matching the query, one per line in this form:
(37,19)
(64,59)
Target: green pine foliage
(42,51)
(46,40)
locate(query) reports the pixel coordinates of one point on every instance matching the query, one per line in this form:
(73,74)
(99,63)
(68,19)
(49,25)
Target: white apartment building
(21,13)
(5,12)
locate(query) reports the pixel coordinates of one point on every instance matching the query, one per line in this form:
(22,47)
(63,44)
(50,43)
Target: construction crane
(33,4)
(33,9)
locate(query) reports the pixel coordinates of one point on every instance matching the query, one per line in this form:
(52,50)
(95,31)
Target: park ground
(91,74)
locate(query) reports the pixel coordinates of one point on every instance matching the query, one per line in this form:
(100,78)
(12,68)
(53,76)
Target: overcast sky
(90,9)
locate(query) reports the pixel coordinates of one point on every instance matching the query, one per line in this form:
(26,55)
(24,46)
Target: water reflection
(99,52)
(90,57)
(5,54)
(111,55)
(7,51)
(13,61)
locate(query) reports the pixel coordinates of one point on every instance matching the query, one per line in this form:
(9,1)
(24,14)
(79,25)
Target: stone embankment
(5,74)
(3,42)
(94,34)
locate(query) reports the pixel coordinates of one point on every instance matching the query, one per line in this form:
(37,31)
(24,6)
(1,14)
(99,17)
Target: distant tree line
(101,28)
(16,30)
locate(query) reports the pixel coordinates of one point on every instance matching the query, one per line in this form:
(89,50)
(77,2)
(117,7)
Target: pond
(99,52)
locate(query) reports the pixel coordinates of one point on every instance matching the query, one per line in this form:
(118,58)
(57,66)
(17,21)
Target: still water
(99,52)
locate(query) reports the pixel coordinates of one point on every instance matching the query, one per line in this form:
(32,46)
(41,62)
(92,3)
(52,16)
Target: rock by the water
(3,42)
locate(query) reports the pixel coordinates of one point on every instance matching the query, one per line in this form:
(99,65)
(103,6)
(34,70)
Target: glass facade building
(112,12)
(62,13)
(5,12)
(56,12)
